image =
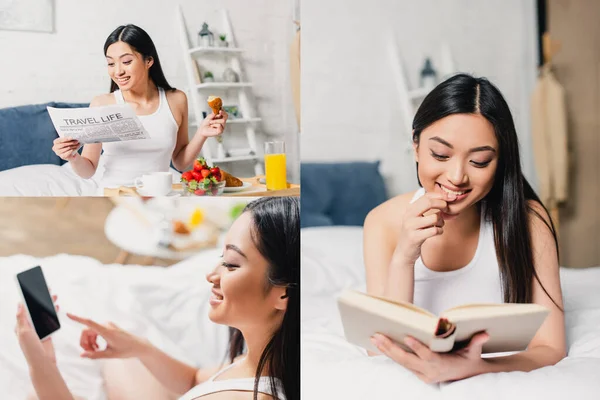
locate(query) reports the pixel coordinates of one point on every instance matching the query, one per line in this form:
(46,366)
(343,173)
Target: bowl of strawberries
(202,180)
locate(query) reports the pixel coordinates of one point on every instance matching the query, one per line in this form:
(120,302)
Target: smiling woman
(137,79)
(472,234)
(255,291)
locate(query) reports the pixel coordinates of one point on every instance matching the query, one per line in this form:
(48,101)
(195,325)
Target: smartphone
(38,301)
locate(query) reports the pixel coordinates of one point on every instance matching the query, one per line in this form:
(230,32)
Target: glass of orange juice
(276,175)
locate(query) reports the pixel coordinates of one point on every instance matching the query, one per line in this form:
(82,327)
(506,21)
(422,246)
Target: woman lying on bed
(137,79)
(474,233)
(255,292)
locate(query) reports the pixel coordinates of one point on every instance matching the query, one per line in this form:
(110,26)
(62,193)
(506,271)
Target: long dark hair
(141,42)
(507,203)
(276,234)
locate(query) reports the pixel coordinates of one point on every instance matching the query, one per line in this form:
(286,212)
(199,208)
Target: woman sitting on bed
(255,291)
(474,233)
(138,80)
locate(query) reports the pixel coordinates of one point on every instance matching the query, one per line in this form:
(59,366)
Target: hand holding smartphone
(38,301)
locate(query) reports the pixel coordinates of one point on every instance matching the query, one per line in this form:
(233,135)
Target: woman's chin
(126,85)
(449,217)
(215,317)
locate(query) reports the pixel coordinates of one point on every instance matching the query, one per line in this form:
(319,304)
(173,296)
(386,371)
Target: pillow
(340,193)
(26,135)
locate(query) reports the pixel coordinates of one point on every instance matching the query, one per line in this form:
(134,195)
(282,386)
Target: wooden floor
(43,227)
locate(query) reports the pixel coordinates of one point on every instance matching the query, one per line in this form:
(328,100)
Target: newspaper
(112,123)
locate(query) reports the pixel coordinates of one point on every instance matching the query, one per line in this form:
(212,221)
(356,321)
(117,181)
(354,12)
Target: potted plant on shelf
(223,41)
(208,77)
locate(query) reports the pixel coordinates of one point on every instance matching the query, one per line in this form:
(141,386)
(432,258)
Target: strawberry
(197,165)
(214,191)
(187,176)
(205,173)
(199,192)
(196,175)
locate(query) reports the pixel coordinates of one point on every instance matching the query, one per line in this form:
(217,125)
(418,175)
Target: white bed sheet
(332,368)
(169,306)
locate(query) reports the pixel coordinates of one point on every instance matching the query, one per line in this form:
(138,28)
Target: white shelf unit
(213,50)
(198,93)
(418,94)
(410,99)
(234,121)
(223,85)
(234,159)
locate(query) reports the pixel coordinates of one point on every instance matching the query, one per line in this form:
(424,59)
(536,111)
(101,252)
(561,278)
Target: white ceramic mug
(155,183)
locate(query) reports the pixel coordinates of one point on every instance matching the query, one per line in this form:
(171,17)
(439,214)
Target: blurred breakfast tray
(256,189)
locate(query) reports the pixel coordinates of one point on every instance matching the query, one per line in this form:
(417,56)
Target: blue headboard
(26,135)
(339,193)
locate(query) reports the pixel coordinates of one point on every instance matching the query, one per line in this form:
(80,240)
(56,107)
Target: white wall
(69,64)
(350,107)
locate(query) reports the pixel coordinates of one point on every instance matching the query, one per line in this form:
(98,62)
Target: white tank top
(125,161)
(476,282)
(238,384)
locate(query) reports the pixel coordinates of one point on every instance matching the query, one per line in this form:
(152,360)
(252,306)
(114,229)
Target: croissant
(179,227)
(215,103)
(230,180)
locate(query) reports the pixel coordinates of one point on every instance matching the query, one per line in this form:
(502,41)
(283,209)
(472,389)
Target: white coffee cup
(155,183)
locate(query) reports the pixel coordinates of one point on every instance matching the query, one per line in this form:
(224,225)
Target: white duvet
(334,369)
(169,306)
(53,180)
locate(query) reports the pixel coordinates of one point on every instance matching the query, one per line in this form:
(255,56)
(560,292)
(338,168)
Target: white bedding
(332,368)
(53,180)
(169,306)
(45,180)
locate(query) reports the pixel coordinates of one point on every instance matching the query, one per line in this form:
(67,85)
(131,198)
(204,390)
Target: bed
(169,306)
(336,198)
(54,181)
(332,368)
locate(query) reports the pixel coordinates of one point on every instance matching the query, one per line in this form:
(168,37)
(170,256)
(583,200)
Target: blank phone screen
(38,301)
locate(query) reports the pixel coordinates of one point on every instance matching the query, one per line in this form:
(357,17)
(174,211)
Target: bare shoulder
(176,98)
(390,212)
(538,217)
(105,99)
(542,240)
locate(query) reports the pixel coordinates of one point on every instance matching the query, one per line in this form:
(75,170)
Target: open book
(510,326)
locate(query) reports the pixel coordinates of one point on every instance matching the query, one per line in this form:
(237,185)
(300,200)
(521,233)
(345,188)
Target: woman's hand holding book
(432,367)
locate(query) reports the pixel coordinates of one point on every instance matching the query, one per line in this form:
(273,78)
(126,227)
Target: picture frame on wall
(27,15)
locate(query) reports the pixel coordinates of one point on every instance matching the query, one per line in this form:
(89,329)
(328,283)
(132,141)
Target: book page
(364,315)
(489,309)
(114,123)
(404,304)
(510,326)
